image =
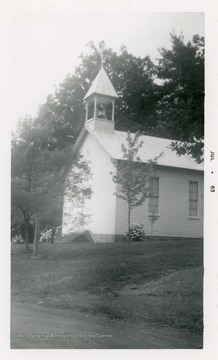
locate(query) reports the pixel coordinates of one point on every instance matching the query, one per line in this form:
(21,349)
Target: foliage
(42,148)
(38,175)
(166,100)
(17,240)
(132,77)
(30,231)
(77,192)
(132,175)
(136,232)
(132,187)
(47,236)
(180,109)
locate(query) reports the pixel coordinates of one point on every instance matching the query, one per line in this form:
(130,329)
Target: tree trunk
(35,247)
(129,224)
(27,223)
(53,235)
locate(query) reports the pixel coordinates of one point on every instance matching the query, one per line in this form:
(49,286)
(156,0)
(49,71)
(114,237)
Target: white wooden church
(177,181)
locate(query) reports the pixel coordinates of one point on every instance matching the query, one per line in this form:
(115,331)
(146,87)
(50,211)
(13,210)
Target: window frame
(193,199)
(154,199)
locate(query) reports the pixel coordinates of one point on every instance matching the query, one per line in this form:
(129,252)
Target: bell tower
(100,102)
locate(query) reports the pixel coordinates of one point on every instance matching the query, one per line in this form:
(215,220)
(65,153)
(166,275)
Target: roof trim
(178,168)
(96,135)
(80,139)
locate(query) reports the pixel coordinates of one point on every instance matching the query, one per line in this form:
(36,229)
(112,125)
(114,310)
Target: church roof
(102,86)
(151,148)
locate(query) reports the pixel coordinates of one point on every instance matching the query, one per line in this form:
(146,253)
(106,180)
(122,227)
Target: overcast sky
(46,39)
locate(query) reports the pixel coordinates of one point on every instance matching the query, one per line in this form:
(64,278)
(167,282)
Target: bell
(101,114)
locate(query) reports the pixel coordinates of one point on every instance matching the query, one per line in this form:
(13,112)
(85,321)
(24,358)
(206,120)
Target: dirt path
(36,327)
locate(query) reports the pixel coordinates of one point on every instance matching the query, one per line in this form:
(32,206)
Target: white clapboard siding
(173,211)
(108,215)
(103,202)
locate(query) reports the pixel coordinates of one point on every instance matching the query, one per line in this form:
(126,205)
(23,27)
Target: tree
(180,109)
(38,174)
(132,175)
(132,78)
(18,227)
(170,107)
(52,213)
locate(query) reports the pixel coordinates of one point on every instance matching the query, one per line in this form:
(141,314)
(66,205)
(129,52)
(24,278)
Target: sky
(46,39)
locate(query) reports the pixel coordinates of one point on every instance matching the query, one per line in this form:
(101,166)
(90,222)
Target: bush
(18,232)
(136,232)
(47,235)
(17,240)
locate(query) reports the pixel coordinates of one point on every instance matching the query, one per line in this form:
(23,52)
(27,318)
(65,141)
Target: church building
(177,181)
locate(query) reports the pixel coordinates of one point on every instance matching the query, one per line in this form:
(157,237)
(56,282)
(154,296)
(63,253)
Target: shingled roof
(102,86)
(152,147)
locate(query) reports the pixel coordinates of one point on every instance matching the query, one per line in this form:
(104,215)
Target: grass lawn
(155,282)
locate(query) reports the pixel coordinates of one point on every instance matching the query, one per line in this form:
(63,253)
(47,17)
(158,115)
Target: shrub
(47,235)
(136,232)
(18,232)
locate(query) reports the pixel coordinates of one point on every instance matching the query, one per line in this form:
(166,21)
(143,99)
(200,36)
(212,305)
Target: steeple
(101,86)
(100,101)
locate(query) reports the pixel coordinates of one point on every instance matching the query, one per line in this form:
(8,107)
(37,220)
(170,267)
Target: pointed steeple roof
(102,86)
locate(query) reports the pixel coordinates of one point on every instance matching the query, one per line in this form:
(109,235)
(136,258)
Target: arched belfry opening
(100,99)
